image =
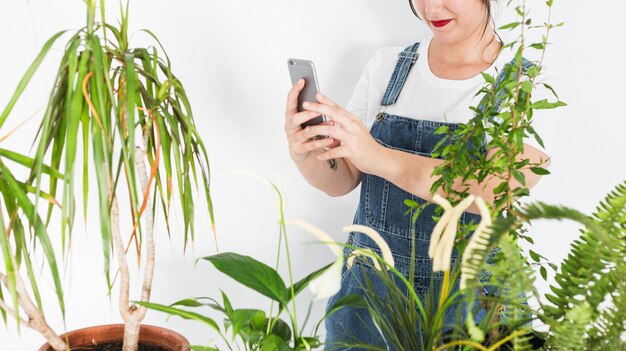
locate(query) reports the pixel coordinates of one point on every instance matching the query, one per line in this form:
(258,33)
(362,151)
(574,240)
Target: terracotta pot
(102,334)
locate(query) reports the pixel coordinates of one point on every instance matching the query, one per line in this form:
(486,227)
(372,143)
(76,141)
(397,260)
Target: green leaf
(545,105)
(251,273)
(519,176)
(543,272)
(539,170)
(510,25)
(488,78)
(239,318)
(353,300)
(10,269)
(188,303)
(304,282)
(280,329)
(180,313)
(442,130)
(527,86)
(27,77)
(274,343)
(535,256)
(538,46)
(203,348)
(227,305)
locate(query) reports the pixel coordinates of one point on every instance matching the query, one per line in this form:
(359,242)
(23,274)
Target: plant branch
(117,242)
(149,220)
(8,309)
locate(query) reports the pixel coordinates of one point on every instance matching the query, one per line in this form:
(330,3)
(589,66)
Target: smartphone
(299,69)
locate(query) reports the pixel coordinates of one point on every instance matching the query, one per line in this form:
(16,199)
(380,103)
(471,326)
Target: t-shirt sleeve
(360,102)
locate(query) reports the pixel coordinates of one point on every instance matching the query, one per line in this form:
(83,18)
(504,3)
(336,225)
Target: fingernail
(306,104)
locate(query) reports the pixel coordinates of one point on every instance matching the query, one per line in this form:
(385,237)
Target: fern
(590,285)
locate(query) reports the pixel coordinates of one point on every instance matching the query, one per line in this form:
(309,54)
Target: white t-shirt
(428,97)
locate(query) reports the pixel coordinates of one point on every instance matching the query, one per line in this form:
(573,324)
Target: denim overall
(382,207)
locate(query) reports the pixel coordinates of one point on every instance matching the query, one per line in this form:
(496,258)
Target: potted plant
(586,308)
(137,132)
(266,329)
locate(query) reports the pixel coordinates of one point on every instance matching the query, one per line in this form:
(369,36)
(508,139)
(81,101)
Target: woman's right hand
(301,144)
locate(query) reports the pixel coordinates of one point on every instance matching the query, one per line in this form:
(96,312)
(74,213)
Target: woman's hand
(301,143)
(355,141)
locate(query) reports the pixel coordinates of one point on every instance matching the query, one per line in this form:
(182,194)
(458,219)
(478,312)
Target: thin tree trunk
(36,319)
(132,314)
(137,313)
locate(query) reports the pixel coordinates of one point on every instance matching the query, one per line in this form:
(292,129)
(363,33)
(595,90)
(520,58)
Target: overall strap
(406,59)
(526,64)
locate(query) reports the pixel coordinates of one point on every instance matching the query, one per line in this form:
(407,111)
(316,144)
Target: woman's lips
(440,23)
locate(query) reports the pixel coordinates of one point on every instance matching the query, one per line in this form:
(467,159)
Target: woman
(385,137)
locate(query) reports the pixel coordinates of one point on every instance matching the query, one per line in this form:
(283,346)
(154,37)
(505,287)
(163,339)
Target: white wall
(231,57)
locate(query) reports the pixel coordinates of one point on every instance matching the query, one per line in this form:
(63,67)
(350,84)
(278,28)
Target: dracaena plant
(130,116)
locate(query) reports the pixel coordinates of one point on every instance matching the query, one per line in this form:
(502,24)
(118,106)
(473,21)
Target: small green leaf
(188,303)
(442,130)
(527,86)
(180,313)
(274,343)
(241,317)
(304,282)
(510,25)
(488,78)
(535,256)
(203,348)
(538,46)
(544,272)
(545,105)
(519,176)
(280,329)
(539,170)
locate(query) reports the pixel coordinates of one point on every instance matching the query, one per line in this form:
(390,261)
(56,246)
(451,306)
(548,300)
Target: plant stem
(36,319)
(283,232)
(91,14)
(8,309)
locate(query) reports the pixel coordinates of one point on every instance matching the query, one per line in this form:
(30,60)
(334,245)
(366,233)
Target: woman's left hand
(354,140)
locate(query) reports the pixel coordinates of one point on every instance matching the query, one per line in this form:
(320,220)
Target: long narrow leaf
(180,313)
(29,74)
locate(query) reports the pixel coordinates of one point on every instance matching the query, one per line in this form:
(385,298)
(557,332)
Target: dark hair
(487,4)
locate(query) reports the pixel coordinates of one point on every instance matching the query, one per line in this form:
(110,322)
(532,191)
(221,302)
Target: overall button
(380,116)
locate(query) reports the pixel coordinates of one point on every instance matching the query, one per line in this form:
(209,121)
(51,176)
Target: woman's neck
(477,49)
(463,59)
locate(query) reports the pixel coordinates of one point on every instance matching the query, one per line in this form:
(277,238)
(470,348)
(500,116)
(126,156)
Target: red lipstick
(440,23)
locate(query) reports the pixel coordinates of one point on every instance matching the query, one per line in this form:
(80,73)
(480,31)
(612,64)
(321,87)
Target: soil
(117,346)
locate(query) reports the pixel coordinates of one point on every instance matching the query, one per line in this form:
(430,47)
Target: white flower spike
(479,241)
(328,283)
(318,233)
(382,244)
(363,252)
(442,244)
